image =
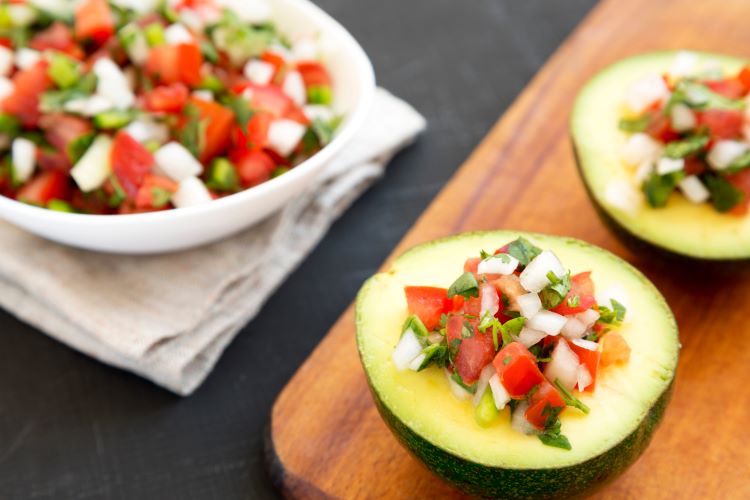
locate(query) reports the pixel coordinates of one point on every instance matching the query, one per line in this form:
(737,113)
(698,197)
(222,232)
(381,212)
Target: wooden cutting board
(326,438)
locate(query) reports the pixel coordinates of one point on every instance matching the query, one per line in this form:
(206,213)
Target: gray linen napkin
(169,317)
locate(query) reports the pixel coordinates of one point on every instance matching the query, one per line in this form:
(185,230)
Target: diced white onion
(621,194)
(140,6)
(249,11)
(60,8)
(573,328)
(406,350)
(458,391)
(583,378)
(21,15)
(484,378)
(499,394)
(712,70)
(177,162)
(586,344)
(725,152)
(645,92)
(529,304)
(534,276)
(495,264)
(518,420)
(563,366)
(683,118)
(6,87)
(6,60)
(95,165)
(145,130)
(643,172)
(528,336)
(318,112)
(547,321)
(191,192)
(23,154)
(587,317)
(284,135)
(417,362)
(259,72)
(640,148)
(88,106)
(26,57)
(694,190)
(684,64)
(176,34)
(194,20)
(305,49)
(669,165)
(434,338)
(490,300)
(113,84)
(294,87)
(204,95)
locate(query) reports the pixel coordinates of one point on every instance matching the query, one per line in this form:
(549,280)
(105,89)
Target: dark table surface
(71,427)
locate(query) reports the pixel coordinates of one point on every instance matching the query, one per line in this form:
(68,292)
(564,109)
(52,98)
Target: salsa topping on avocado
(688,131)
(515,329)
(123,106)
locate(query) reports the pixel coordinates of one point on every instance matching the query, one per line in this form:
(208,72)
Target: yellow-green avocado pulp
(497,461)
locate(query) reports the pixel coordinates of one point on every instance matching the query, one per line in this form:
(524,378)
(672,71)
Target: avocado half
(694,232)
(497,461)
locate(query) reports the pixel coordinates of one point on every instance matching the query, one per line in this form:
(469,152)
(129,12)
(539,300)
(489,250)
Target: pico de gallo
(515,329)
(690,132)
(128,106)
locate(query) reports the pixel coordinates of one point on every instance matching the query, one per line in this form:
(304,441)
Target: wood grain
(326,438)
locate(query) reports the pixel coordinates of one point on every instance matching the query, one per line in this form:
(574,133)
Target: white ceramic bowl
(182,228)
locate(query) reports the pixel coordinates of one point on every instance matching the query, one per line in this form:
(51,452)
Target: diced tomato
(44,187)
(517,369)
(589,359)
(175,63)
(49,159)
(722,123)
(458,303)
(145,197)
(474,352)
(543,406)
(694,166)
(744,76)
(257,133)
(296,114)
(741,180)
(276,60)
(581,286)
(57,37)
(29,84)
(219,121)
(167,98)
(60,130)
(254,167)
(472,265)
(130,163)
(472,306)
(659,127)
(267,98)
(94,21)
(502,249)
(614,349)
(314,74)
(732,88)
(6,42)
(429,303)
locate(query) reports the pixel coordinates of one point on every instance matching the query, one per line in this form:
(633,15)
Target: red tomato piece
(474,353)
(296,114)
(472,306)
(60,130)
(732,88)
(314,74)
(23,103)
(722,123)
(266,98)
(57,37)
(581,286)
(175,63)
(458,303)
(517,369)
(257,133)
(94,21)
(44,187)
(144,199)
(276,60)
(53,160)
(589,359)
(659,127)
(167,98)
(541,412)
(472,265)
(741,180)
(130,163)
(744,76)
(429,303)
(694,166)
(254,167)
(219,122)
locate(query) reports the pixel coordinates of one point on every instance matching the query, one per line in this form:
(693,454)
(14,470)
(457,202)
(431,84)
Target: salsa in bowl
(224,110)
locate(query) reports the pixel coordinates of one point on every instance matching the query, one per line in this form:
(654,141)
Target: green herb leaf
(553,294)
(209,52)
(555,439)
(160,197)
(699,96)
(467,330)
(241,109)
(569,398)
(415,324)
(724,196)
(435,353)
(633,125)
(453,350)
(739,164)
(658,188)
(9,125)
(612,316)
(469,388)
(574,301)
(324,130)
(686,147)
(523,250)
(511,329)
(466,286)
(193,134)
(78,147)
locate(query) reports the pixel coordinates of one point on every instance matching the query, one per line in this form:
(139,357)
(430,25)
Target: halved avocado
(498,461)
(682,228)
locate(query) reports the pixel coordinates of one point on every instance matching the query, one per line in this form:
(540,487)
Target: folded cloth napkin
(169,317)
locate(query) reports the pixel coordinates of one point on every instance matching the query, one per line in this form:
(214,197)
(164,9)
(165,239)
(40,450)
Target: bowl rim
(351,125)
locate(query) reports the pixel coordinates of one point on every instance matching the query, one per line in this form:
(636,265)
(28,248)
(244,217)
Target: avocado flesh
(681,227)
(497,460)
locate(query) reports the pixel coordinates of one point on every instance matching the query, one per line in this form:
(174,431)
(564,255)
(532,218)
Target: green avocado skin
(504,483)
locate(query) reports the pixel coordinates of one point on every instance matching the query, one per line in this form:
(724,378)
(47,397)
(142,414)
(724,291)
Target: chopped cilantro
(574,301)
(241,109)
(415,324)
(612,316)
(569,398)
(686,147)
(553,294)
(724,195)
(511,329)
(658,188)
(469,388)
(523,250)
(193,134)
(554,438)
(466,286)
